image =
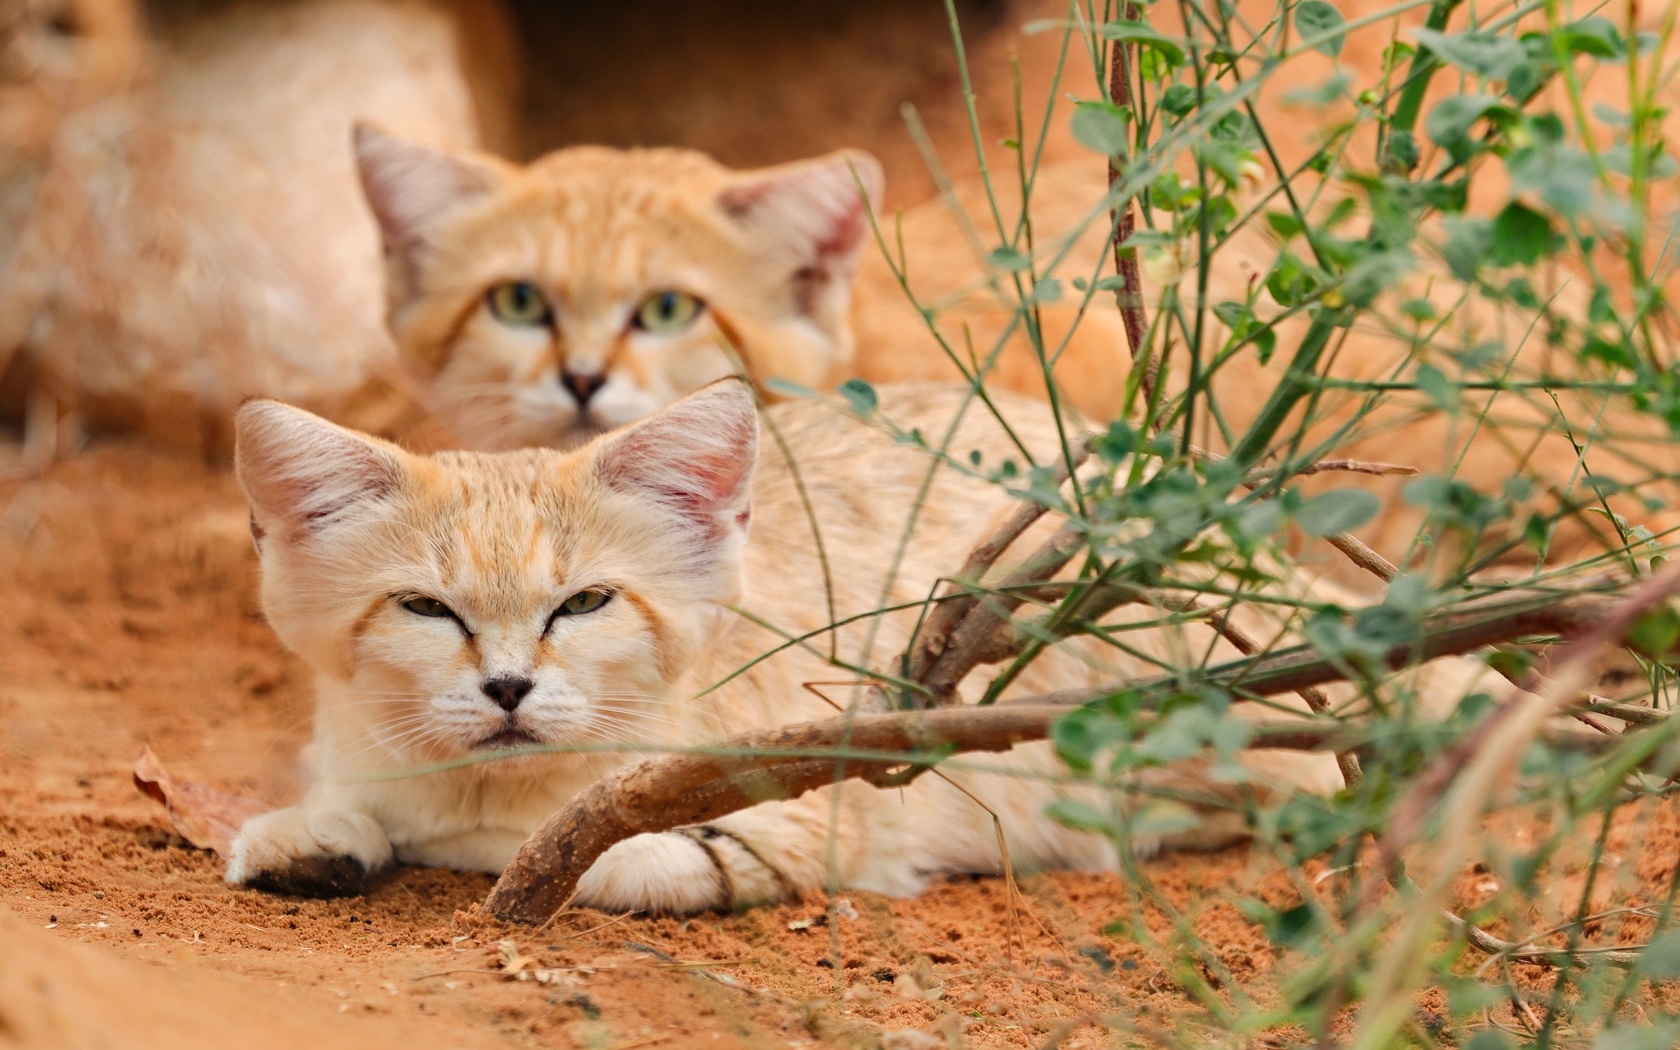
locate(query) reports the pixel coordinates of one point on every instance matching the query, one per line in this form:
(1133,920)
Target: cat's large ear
(696,458)
(812,214)
(303,474)
(409,187)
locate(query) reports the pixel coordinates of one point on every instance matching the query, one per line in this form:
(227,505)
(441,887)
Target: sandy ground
(128,605)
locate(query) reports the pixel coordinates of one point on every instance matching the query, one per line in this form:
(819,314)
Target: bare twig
(976,639)
(1346,761)
(1326,466)
(1361,554)
(1356,550)
(935,639)
(1129,296)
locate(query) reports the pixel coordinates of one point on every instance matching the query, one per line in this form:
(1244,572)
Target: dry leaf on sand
(203,816)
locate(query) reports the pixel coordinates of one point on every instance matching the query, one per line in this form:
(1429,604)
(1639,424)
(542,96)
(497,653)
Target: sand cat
(591,288)
(196,234)
(459,605)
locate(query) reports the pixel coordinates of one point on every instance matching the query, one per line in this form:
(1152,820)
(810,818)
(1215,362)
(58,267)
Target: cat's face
(471,602)
(595,286)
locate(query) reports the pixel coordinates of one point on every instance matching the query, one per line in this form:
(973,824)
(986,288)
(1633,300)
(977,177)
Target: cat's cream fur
(195,232)
(657,515)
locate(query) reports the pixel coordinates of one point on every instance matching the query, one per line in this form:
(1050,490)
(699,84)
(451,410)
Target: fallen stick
(674,790)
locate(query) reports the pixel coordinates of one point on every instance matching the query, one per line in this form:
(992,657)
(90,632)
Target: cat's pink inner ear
(302,473)
(696,457)
(812,210)
(408,185)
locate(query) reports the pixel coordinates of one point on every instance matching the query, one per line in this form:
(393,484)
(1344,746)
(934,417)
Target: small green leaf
(1468,243)
(1338,510)
(1231,312)
(1179,99)
(1080,816)
(861,396)
(1448,124)
(1145,37)
(1259,520)
(1596,36)
(1563,176)
(1316,18)
(1439,389)
(1290,927)
(1008,259)
(1101,126)
(1655,635)
(1402,151)
(1284,224)
(788,388)
(1047,290)
(1520,236)
(1485,55)
(1118,443)
(1418,309)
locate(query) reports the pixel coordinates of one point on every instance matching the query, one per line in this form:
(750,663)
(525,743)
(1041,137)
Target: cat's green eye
(667,311)
(583,602)
(429,607)
(519,304)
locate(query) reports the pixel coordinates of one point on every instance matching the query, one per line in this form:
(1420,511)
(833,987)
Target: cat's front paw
(308,853)
(680,873)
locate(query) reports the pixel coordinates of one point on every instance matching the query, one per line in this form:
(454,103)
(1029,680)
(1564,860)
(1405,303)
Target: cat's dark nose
(583,385)
(507,691)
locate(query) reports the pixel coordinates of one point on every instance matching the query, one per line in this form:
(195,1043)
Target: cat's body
(651,515)
(197,236)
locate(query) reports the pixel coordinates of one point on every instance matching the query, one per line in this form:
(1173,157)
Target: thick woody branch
(670,791)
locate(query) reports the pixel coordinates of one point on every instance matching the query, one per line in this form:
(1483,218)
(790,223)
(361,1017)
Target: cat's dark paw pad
(326,877)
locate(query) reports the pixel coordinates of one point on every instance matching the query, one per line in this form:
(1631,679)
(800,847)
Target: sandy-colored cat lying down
(454,605)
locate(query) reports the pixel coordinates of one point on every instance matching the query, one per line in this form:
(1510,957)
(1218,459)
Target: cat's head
(582,292)
(466,602)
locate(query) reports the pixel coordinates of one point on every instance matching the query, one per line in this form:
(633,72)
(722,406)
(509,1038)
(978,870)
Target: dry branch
(935,642)
(669,791)
(1129,296)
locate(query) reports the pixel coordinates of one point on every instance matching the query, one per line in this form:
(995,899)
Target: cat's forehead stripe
(500,533)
